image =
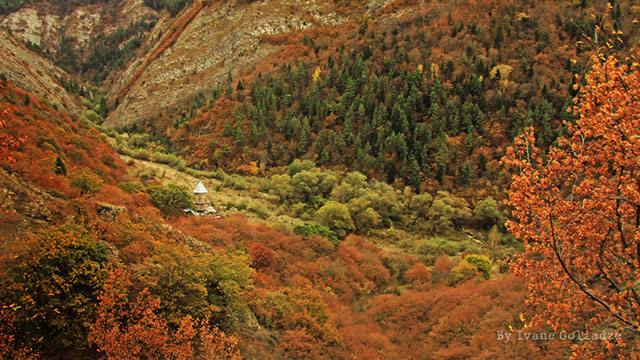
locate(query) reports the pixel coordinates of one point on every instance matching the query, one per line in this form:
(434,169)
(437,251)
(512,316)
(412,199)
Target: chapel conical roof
(200,189)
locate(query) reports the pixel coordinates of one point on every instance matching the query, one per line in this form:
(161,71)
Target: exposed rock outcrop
(33,72)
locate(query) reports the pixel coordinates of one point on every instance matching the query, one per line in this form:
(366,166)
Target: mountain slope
(428,95)
(224,37)
(35,73)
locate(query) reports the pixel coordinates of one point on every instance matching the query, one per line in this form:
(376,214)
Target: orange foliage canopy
(8,143)
(578,211)
(33,135)
(127,329)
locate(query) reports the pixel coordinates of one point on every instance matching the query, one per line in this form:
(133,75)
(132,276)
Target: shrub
(91,116)
(132,187)
(260,210)
(171,199)
(438,246)
(217,174)
(173,6)
(261,256)
(315,229)
(87,182)
(336,217)
(463,271)
(235,182)
(481,262)
(494,238)
(419,275)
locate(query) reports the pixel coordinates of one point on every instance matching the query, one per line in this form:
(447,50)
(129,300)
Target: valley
(397,179)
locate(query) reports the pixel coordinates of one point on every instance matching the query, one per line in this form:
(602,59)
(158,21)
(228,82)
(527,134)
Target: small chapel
(201,202)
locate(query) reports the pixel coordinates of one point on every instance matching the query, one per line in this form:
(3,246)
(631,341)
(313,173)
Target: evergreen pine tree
(254,134)
(60,167)
(227,130)
(324,157)
(464,175)
(238,136)
(482,163)
(229,89)
(412,173)
(305,136)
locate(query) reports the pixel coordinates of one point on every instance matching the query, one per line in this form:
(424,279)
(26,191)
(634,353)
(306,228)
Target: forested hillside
(431,99)
(383,179)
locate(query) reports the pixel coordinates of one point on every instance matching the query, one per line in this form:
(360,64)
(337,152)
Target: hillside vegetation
(392,180)
(429,100)
(281,294)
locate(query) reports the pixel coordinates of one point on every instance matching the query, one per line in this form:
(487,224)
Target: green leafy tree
(171,199)
(300,165)
(352,186)
(417,209)
(54,285)
(205,286)
(336,217)
(312,185)
(486,214)
(365,218)
(447,213)
(280,185)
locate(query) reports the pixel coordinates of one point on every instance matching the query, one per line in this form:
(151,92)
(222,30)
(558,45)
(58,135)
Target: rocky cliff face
(223,37)
(30,38)
(41,26)
(34,72)
(30,27)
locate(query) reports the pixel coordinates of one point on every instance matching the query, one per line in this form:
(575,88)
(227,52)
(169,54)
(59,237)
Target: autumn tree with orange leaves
(577,209)
(126,329)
